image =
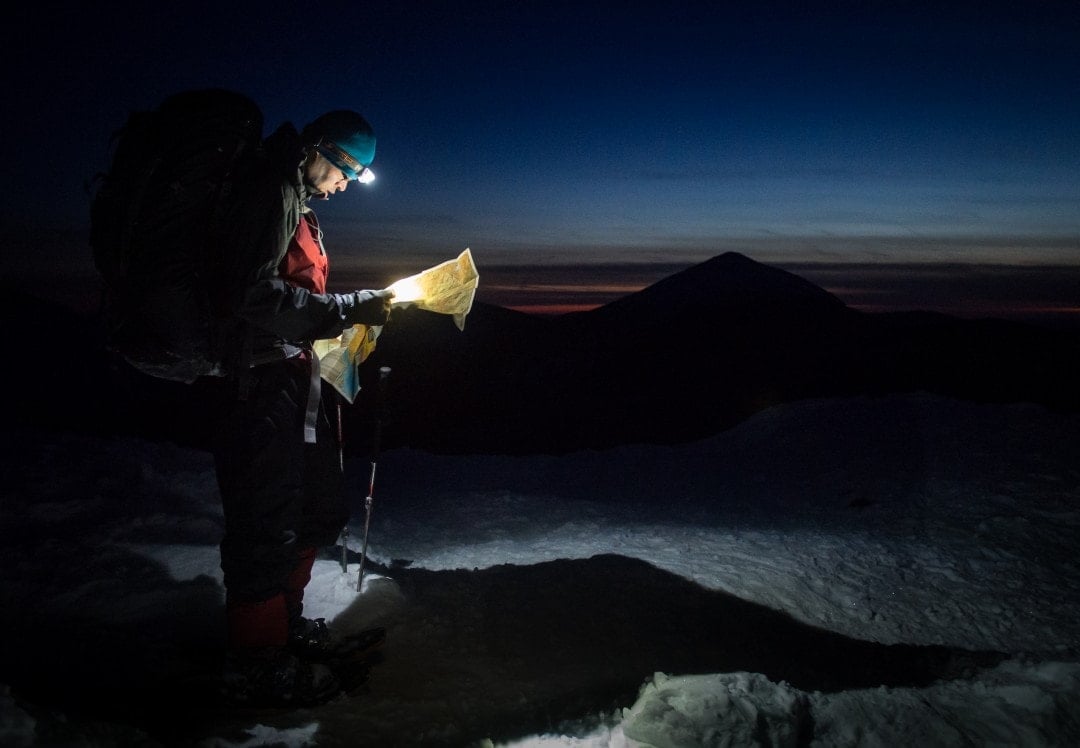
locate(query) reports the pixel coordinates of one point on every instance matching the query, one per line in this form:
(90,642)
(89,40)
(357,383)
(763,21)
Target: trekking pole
(380,397)
(341,466)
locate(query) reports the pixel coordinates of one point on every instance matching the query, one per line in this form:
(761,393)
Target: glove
(369,307)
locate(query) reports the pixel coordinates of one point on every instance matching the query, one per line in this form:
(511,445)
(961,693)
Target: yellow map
(447,288)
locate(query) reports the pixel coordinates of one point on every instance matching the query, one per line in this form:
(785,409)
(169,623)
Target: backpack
(158,228)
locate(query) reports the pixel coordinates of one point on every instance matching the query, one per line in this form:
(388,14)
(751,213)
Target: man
(275,451)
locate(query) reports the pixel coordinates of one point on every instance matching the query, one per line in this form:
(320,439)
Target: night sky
(899,154)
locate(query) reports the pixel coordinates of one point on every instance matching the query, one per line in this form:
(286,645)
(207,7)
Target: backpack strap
(311,413)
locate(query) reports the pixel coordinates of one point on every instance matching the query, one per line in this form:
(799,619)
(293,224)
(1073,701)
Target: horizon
(991,285)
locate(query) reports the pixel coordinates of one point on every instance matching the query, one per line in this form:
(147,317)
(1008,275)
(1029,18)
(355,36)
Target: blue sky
(554,135)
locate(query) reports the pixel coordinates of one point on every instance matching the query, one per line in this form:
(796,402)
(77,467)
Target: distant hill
(691,355)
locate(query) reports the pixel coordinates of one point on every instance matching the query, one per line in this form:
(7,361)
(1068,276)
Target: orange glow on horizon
(608,289)
(553,309)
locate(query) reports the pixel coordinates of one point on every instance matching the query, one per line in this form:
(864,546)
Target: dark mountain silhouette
(727,281)
(687,357)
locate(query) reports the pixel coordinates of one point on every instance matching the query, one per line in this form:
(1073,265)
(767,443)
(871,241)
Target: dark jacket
(266,318)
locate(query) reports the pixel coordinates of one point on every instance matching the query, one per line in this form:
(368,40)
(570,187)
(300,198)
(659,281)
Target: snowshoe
(276,678)
(313,640)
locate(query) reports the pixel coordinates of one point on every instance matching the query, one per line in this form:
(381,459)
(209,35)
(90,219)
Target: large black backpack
(159,228)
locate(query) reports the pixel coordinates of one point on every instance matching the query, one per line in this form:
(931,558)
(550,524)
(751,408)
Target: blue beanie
(345,138)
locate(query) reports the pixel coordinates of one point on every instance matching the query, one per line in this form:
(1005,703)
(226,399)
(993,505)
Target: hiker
(276,451)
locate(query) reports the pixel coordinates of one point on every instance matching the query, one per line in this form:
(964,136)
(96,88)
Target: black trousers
(279,494)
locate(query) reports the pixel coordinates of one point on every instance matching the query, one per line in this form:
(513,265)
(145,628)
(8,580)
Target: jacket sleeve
(296,314)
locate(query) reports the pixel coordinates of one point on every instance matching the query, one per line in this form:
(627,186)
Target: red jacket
(305,264)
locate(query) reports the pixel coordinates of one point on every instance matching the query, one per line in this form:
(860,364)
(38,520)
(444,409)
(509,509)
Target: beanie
(346,139)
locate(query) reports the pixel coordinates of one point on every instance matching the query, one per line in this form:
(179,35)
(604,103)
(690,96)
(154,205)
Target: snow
(741,590)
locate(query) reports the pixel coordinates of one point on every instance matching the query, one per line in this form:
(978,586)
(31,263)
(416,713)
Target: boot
(315,641)
(259,669)
(274,677)
(311,639)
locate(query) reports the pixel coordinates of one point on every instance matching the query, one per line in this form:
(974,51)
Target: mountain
(727,281)
(687,357)
(691,355)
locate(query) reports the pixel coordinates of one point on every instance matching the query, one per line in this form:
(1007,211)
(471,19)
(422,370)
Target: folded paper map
(447,288)
(339,357)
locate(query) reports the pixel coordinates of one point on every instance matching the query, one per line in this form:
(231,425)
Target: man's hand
(371,307)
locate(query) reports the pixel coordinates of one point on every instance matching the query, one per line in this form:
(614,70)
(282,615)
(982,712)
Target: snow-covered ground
(850,572)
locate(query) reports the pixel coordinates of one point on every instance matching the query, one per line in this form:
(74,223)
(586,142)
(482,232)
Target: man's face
(323,177)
